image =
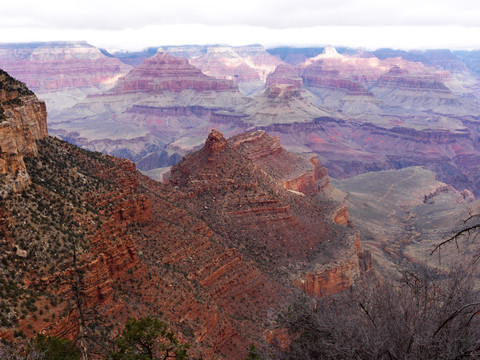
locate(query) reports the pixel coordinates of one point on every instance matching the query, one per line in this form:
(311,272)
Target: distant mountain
(61,73)
(248,66)
(153,105)
(348,106)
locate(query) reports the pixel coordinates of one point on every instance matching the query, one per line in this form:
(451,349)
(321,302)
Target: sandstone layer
(157,103)
(265,212)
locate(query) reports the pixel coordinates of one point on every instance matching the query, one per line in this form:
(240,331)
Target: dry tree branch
(454,315)
(455,237)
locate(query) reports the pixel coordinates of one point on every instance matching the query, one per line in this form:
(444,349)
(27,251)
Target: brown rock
(294,172)
(215,142)
(336,276)
(23,119)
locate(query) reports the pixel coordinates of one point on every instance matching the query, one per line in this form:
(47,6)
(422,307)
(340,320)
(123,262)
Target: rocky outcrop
(340,215)
(23,119)
(337,276)
(215,142)
(220,249)
(250,203)
(294,172)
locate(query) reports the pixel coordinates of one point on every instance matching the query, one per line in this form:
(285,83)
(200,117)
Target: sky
(135,25)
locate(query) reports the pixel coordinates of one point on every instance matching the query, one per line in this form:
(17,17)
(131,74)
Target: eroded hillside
(218,251)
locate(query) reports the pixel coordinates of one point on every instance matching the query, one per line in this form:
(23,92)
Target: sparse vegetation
(422,315)
(148,339)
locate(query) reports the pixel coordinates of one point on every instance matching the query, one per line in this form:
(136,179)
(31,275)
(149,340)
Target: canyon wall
(23,119)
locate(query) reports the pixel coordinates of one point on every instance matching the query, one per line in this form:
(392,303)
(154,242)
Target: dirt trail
(398,182)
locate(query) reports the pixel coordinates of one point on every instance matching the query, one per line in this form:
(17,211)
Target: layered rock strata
(269,206)
(23,119)
(302,174)
(164,72)
(61,73)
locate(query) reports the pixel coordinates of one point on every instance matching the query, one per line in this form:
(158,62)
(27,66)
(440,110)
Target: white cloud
(127,24)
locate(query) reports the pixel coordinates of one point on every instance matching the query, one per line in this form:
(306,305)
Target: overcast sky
(133,25)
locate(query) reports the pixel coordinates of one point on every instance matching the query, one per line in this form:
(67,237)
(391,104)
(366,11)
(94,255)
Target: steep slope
(91,242)
(61,73)
(23,119)
(265,220)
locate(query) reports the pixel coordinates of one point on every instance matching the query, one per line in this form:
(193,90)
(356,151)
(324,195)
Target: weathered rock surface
(220,249)
(258,210)
(302,174)
(23,119)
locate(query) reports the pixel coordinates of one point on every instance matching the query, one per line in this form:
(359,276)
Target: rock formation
(23,119)
(347,107)
(302,174)
(160,101)
(284,74)
(164,72)
(233,237)
(268,206)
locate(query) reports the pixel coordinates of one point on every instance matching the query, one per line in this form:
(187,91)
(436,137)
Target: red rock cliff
(23,119)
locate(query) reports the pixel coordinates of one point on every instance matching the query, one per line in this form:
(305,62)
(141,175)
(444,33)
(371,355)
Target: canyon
(346,107)
(238,230)
(323,167)
(402,214)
